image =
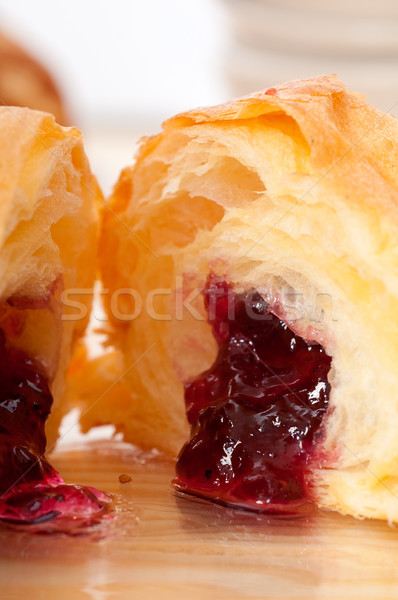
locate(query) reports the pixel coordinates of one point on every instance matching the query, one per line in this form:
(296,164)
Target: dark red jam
(31,490)
(255,415)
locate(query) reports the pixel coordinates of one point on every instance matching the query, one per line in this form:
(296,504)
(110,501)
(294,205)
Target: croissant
(250,271)
(25,82)
(48,245)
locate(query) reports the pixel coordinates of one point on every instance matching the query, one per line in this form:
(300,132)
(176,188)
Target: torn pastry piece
(48,240)
(251,273)
(25,82)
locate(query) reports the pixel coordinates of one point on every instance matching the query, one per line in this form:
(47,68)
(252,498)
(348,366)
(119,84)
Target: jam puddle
(255,415)
(31,490)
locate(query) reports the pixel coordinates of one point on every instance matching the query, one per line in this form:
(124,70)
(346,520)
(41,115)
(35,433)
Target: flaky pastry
(48,233)
(287,198)
(48,244)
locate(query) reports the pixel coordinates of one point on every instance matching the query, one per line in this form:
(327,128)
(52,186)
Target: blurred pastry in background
(25,82)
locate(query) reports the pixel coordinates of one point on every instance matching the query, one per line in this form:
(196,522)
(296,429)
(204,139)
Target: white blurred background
(124,66)
(125,62)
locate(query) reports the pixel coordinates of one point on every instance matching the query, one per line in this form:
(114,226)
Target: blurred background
(122,67)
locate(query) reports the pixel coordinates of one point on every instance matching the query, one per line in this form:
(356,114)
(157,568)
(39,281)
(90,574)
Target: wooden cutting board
(160,546)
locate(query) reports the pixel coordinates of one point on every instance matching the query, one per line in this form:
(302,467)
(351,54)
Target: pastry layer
(293,192)
(48,239)
(48,250)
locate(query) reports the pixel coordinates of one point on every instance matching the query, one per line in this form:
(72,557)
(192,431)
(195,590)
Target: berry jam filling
(31,490)
(255,415)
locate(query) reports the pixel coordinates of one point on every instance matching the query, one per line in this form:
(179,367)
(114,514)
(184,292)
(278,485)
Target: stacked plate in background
(279,40)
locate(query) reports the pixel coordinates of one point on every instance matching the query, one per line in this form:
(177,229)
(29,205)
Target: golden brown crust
(292,191)
(48,237)
(335,122)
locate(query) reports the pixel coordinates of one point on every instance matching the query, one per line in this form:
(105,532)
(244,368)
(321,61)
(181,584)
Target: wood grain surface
(160,546)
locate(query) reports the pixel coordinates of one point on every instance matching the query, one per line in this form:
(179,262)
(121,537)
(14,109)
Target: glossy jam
(255,415)
(31,490)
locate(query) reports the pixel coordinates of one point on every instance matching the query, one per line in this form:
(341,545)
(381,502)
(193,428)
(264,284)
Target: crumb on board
(124,478)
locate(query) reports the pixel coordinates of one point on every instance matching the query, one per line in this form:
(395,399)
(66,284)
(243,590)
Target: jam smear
(255,415)
(31,490)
